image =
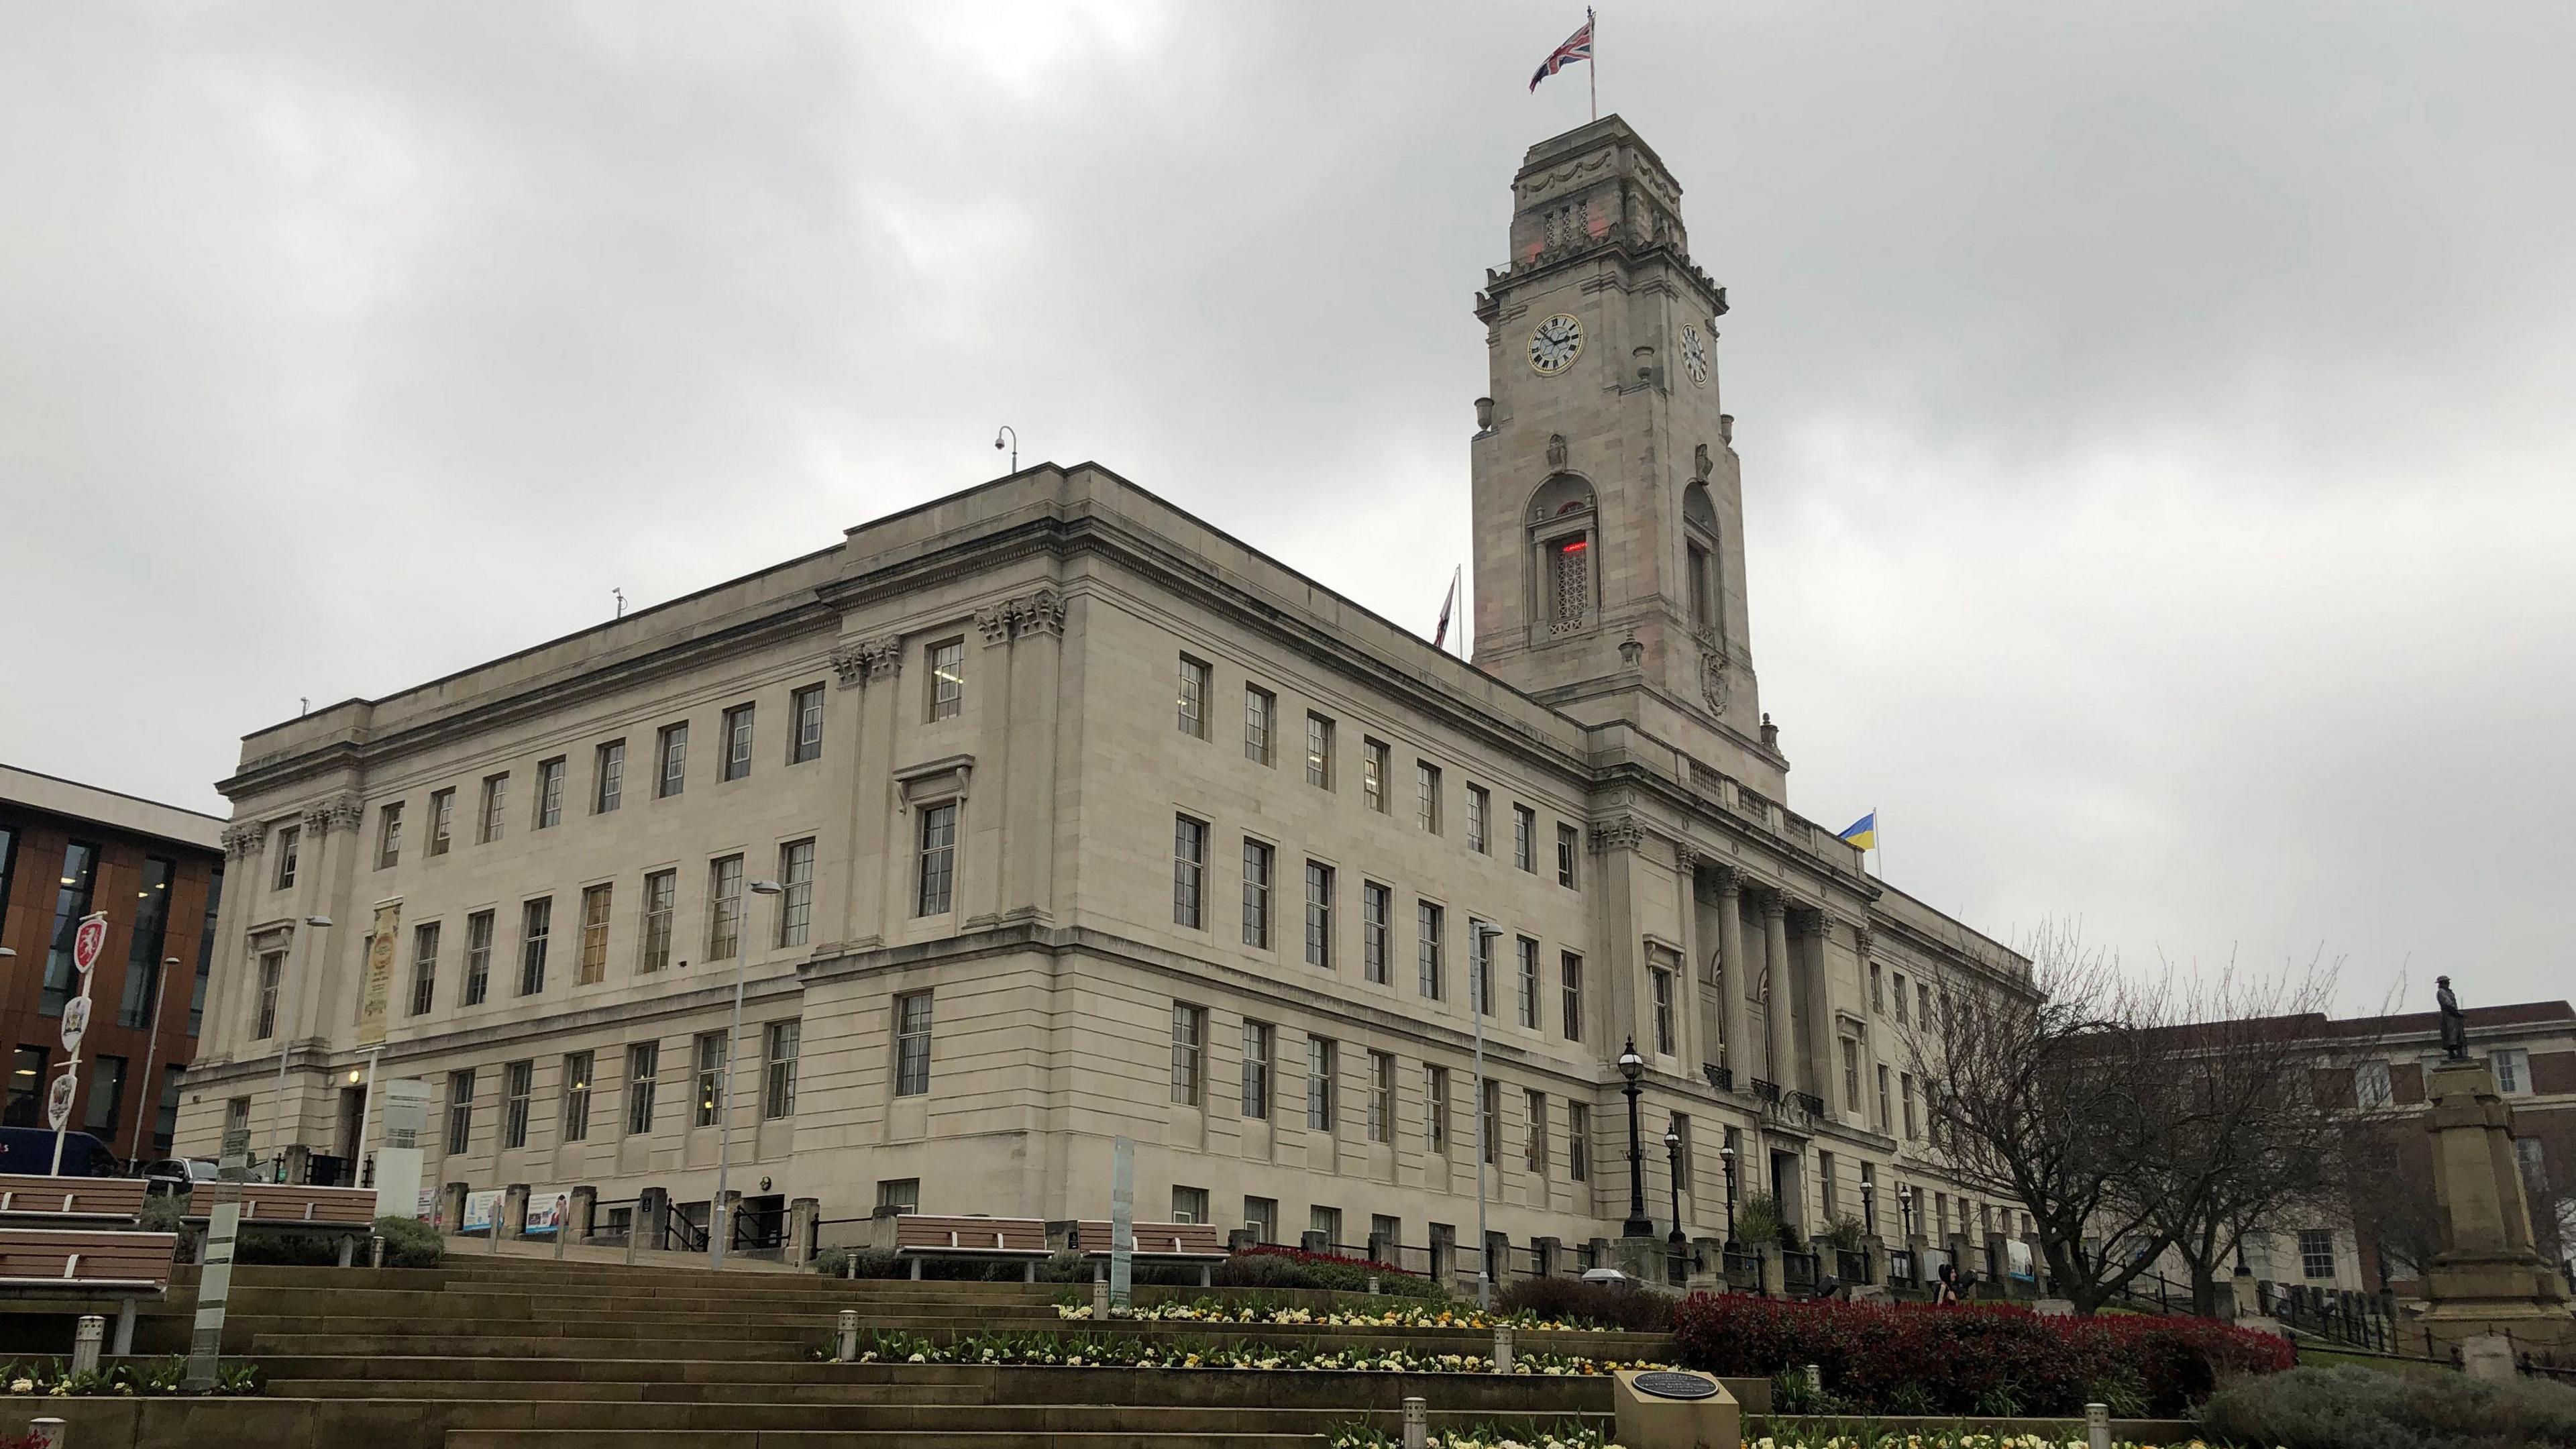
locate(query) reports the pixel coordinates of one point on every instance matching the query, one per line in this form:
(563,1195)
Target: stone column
(1690,993)
(1775,965)
(984,821)
(1028,853)
(1735,978)
(804,1216)
(882,842)
(1816,1015)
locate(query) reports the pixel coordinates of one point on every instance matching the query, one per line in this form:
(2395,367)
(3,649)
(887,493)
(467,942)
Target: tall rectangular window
(1578,1141)
(709,1050)
(1534,1153)
(389,836)
(661,901)
(1480,809)
(143,951)
(1257,861)
(1877,991)
(947,679)
(805,714)
(1565,853)
(1323,1064)
(1702,616)
(1193,698)
(1527,997)
(912,1044)
(536,925)
(1426,795)
(796,892)
(608,777)
(643,1068)
(1662,982)
(1489,1124)
(595,908)
(2316,1253)
(576,1103)
(724,908)
(290,842)
(165,1118)
(937,871)
(1569,582)
(1435,1109)
(460,1110)
(1900,998)
(1256,1070)
(424,967)
(71,902)
(1428,976)
(734,738)
(1525,838)
(1189,1052)
(1189,872)
(272,970)
(1480,966)
(1376,906)
(550,792)
(205,941)
(493,817)
(897,1196)
(1260,710)
(1319,752)
(2512,1066)
(442,821)
(1851,1076)
(671,754)
(1569,970)
(1374,764)
(516,1080)
(478,957)
(1319,915)
(780,1041)
(1381,1097)
(1882,1099)
(1905,1096)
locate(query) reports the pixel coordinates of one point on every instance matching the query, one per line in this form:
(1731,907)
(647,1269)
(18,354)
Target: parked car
(178,1174)
(31,1150)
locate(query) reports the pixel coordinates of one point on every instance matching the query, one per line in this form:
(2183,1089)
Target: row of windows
(1260,741)
(31,1073)
(75,897)
(492,802)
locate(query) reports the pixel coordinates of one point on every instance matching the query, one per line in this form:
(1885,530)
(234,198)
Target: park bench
(1197,1245)
(62,1201)
(347,1213)
(51,1263)
(920,1237)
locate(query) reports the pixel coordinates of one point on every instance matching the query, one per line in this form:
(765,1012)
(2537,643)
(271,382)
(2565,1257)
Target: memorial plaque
(1677,1386)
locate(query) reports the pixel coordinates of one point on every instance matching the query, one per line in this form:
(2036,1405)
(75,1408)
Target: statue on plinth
(2455,1027)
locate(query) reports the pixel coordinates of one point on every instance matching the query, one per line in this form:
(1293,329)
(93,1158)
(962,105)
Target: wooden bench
(971,1240)
(25,1198)
(1186,1244)
(348,1213)
(69,1262)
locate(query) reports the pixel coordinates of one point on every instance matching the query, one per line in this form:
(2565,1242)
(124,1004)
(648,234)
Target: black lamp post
(1726,1156)
(1905,1209)
(1633,1066)
(1679,1242)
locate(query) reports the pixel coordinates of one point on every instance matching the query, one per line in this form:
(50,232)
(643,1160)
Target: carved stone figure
(2455,1027)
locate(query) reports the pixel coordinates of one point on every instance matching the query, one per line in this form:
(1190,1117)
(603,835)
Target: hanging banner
(58,1101)
(75,1023)
(87,939)
(482,1211)
(376,994)
(548,1210)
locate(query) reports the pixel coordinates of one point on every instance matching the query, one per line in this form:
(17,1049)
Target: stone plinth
(2488,1278)
(1652,1421)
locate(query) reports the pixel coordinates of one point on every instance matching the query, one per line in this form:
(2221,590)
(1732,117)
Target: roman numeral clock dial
(1554,344)
(1694,355)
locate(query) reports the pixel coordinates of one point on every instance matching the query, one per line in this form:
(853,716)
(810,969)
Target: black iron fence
(1798,1273)
(2338,1315)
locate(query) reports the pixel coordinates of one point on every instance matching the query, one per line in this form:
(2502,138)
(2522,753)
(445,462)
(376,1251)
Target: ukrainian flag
(1863,832)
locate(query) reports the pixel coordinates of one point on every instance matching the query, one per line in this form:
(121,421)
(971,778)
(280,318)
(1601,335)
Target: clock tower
(1608,506)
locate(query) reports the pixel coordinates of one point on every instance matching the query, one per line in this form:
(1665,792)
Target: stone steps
(861,1439)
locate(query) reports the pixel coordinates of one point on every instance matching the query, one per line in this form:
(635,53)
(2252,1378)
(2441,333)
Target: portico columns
(1733,979)
(1777,990)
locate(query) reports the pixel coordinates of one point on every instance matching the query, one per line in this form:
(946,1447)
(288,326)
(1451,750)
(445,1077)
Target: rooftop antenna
(1015,444)
(303,705)
(621,601)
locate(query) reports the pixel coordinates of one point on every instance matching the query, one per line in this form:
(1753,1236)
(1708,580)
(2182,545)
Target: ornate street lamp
(1726,1156)
(1633,1066)
(1905,1208)
(1680,1243)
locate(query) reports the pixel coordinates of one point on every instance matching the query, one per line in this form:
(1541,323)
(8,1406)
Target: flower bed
(1559,1436)
(1132,1351)
(1409,1315)
(1985,1360)
(1851,1437)
(52,1378)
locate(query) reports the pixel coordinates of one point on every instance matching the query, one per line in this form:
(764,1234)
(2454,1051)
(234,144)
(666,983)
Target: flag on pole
(1578,46)
(1440,635)
(1863,832)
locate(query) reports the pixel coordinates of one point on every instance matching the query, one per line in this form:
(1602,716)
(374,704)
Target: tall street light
(1726,1159)
(286,1036)
(1676,1238)
(719,1223)
(1633,1066)
(1479,964)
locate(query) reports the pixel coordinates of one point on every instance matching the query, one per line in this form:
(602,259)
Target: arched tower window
(1564,530)
(1699,532)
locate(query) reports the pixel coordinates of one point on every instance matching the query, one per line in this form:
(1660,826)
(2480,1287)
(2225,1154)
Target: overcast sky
(2155,417)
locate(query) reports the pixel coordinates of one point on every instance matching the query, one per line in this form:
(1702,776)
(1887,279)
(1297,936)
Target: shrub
(1984,1359)
(410,1243)
(289,1249)
(161,1212)
(1603,1305)
(1295,1268)
(872,1263)
(1759,1220)
(2349,1406)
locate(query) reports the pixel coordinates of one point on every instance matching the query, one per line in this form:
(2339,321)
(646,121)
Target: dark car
(178,1174)
(31,1150)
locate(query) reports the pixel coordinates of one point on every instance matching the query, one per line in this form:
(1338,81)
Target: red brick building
(67,850)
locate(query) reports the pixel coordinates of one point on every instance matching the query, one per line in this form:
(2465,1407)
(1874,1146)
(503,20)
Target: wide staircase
(511,1353)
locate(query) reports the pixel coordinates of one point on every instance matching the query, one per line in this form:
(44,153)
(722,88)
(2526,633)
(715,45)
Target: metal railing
(680,1235)
(2338,1315)
(757,1230)
(604,1213)
(1744,1271)
(1851,1266)
(1722,1078)
(1798,1272)
(1900,1269)
(1766,1091)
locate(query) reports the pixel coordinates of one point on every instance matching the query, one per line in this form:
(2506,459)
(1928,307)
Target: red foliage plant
(1300,1255)
(1953,1359)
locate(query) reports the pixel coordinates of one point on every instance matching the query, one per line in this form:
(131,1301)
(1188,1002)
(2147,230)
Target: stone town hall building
(1094,821)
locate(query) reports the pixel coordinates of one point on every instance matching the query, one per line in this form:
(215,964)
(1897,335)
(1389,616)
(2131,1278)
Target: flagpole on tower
(1592,72)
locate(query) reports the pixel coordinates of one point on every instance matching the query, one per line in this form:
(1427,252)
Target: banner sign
(482,1210)
(75,1023)
(548,1210)
(58,1099)
(375,996)
(429,1206)
(86,941)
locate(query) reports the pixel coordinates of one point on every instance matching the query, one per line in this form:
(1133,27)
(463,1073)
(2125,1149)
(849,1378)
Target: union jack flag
(1578,46)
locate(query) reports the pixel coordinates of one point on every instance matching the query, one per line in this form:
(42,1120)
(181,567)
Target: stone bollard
(375,1252)
(1372,1285)
(1502,1348)
(2097,1426)
(1099,1295)
(49,1433)
(1815,1378)
(1417,1427)
(847,1348)
(85,1344)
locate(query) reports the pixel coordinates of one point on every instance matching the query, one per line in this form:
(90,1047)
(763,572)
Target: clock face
(1555,344)
(1695,355)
